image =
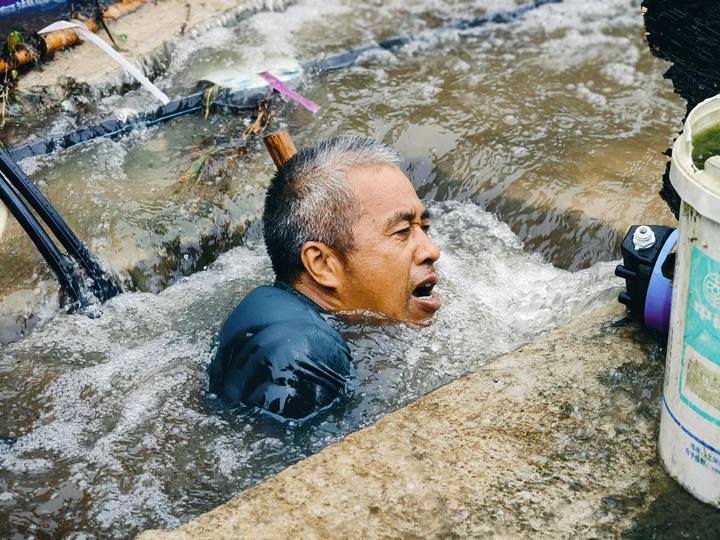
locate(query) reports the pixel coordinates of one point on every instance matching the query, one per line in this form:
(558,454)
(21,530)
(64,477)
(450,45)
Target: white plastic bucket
(690,419)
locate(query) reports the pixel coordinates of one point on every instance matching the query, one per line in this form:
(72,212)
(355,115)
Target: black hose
(103,286)
(70,280)
(224,99)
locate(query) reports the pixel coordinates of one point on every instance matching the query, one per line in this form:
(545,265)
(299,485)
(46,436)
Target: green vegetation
(704,145)
(13,40)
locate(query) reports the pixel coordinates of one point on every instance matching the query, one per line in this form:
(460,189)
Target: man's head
(344,226)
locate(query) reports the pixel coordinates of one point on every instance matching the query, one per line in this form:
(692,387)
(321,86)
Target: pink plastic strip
(275,83)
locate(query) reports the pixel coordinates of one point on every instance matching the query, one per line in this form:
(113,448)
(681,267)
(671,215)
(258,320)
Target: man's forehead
(384,190)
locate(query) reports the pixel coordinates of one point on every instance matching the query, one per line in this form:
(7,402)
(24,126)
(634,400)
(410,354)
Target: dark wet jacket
(277,352)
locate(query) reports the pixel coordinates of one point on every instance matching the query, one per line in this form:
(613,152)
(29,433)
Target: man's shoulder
(281,321)
(276,339)
(267,305)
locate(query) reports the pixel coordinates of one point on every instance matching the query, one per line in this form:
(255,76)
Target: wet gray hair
(310,200)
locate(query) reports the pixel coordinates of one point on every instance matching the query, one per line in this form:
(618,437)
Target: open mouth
(425,296)
(423,290)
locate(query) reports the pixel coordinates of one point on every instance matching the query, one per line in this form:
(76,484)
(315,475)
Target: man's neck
(318,294)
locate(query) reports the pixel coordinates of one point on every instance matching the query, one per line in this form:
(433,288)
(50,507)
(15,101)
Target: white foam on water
(588,15)
(497,297)
(496,88)
(591,97)
(278,29)
(124,417)
(621,73)
(214,38)
(117,406)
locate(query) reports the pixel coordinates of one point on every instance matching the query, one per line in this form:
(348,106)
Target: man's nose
(427,252)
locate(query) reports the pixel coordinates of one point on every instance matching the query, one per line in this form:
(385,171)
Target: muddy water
(115,431)
(555,124)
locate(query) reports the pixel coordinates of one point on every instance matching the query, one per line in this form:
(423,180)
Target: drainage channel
(111,429)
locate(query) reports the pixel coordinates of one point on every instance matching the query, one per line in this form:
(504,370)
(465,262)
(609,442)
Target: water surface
(116,432)
(533,144)
(555,123)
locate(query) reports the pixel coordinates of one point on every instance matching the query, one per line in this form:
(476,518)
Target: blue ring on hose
(659,292)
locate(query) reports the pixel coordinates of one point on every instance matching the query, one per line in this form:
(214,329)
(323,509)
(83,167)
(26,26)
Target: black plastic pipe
(225,99)
(70,280)
(103,287)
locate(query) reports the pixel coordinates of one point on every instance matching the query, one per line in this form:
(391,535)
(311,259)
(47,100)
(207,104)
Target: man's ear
(321,264)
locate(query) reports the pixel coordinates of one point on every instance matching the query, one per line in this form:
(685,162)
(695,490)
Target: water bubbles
(591,97)
(132,385)
(623,74)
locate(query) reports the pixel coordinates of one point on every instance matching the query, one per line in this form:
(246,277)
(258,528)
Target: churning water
(115,429)
(555,124)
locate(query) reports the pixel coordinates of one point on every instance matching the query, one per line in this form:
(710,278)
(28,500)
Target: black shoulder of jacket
(277,352)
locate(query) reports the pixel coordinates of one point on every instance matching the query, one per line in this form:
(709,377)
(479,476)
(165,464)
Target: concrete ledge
(555,440)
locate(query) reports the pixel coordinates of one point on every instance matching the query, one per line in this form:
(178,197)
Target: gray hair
(310,199)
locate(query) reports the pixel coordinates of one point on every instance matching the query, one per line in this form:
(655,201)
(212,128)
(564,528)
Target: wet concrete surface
(555,440)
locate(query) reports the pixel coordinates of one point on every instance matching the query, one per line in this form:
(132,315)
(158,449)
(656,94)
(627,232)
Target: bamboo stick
(280,146)
(19,58)
(117,10)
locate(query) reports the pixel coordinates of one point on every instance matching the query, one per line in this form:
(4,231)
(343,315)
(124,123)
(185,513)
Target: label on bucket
(700,363)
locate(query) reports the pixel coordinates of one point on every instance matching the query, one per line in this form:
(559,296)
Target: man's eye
(403,232)
(425,228)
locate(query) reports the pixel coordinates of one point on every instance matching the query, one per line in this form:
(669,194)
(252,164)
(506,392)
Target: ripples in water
(556,123)
(116,433)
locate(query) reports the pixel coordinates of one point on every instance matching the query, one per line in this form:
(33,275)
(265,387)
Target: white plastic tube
(3,218)
(84,33)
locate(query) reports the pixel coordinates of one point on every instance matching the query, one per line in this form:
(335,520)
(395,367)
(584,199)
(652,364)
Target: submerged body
(278,353)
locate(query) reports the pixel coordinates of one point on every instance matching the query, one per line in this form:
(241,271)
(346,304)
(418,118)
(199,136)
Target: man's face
(391,269)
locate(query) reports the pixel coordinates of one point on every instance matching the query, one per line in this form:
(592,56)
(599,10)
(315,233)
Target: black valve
(644,251)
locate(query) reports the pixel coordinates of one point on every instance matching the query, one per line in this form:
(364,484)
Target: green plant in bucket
(705,144)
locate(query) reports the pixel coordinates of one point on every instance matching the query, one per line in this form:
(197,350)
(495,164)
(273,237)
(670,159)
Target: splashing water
(115,431)
(552,123)
(556,123)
